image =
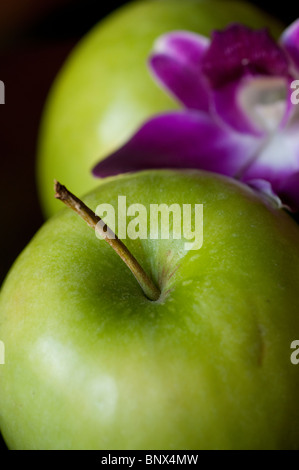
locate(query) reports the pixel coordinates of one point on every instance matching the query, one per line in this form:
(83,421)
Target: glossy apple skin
(92,364)
(105,90)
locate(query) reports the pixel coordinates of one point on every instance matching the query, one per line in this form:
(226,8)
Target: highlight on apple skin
(91,363)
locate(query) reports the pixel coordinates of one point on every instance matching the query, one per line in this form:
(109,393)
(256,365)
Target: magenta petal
(227,105)
(238,51)
(265,189)
(278,160)
(185,46)
(255,104)
(181,140)
(175,62)
(184,82)
(289,192)
(278,163)
(290,42)
(291,110)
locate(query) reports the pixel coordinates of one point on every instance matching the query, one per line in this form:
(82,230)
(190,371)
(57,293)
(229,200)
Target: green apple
(105,91)
(91,363)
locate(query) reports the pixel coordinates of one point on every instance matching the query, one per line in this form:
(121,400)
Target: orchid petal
(185,46)
(289,192)
(277,163)
(175,62)
(255,105)
(181,140)
(291,118)
(266,191)
(238,51)
(226,101)
(289,40)
(291,108)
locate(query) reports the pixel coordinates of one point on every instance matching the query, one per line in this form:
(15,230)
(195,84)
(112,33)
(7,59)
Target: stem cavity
(150,290)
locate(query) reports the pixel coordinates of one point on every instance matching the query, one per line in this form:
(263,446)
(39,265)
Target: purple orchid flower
(238,117)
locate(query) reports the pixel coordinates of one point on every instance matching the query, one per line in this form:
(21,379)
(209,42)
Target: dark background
(35,38)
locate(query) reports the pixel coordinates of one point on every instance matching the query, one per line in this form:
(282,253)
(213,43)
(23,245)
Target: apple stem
(150,290)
